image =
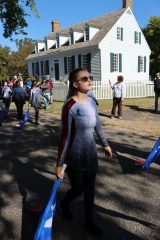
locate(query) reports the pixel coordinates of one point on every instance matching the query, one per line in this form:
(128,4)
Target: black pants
(157,95)
(117,101)
(36,113)
(82,182)
(19,106)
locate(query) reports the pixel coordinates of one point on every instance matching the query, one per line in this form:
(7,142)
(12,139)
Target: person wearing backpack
(157,90)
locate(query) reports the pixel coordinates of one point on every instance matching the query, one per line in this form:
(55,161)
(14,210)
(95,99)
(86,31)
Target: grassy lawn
(107,104)
(104,105)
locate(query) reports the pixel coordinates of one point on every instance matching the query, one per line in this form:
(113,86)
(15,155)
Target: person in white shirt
(119,92)
(6,95)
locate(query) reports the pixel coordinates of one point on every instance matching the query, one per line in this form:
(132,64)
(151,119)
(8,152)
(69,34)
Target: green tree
(152,34)
(4,56)
(16,62)
(12,15)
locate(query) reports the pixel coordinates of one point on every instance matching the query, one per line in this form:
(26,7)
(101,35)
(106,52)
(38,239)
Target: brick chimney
(55,26)
(128,3)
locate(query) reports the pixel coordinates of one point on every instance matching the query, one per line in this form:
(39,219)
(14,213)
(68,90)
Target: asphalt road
(127,202)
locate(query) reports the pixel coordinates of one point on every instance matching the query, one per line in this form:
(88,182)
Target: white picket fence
(104,91)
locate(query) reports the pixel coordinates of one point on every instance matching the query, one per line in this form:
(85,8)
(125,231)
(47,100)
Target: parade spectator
(157,91)
(51,88)
(46,91)
(28,85)
(77,146)
(35,99)
(15,79)
(11,83)
(19,97)
(6,95)
(119,92)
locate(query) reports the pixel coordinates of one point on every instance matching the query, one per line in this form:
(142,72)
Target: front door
(56,67)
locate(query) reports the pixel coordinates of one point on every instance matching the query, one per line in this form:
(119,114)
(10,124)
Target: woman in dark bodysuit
(77,146)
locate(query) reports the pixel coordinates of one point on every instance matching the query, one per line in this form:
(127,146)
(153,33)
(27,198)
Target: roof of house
(103,23)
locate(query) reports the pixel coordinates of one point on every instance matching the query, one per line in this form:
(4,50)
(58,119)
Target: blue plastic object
(153,156)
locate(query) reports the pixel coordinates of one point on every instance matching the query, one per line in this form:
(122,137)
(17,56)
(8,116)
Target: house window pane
(115,62)
(46,67)
(140,64)
(87,33)
(120,33)
(137,37)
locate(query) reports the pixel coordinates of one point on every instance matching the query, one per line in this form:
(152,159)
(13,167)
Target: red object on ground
(138,162)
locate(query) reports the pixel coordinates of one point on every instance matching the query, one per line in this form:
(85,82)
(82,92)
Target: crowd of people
(33,91)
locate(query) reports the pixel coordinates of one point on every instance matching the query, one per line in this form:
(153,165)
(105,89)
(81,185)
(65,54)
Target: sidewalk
(126,199)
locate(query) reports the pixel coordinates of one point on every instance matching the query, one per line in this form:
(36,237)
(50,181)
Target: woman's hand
(60,172)
(108,151)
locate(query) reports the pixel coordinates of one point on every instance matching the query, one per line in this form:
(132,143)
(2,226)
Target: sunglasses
(85,78)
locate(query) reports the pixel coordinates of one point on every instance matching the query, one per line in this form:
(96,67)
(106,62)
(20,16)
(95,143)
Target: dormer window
(86,33)
(120,33)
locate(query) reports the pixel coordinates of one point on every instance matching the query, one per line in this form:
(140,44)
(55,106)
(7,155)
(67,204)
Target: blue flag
(153,156)
(44,230)
(26,117)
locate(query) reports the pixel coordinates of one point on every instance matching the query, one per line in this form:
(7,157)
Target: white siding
(129,50)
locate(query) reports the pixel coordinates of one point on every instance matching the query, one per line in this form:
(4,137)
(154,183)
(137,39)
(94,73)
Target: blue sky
(69,12)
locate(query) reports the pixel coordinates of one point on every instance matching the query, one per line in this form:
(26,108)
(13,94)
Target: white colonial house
(108,45)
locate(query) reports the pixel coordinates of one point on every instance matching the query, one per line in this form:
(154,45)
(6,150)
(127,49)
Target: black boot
(36,118)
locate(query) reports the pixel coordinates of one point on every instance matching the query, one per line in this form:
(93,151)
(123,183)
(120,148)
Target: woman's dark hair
(34,83)
(18,83)
(72,78)
(120,78)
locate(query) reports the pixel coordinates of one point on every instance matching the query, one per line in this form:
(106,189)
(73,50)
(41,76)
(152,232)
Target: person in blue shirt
(77,146)
(28,84)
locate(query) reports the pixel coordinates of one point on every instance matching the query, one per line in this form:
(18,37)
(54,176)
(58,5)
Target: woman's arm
(65,137)
(101,135)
